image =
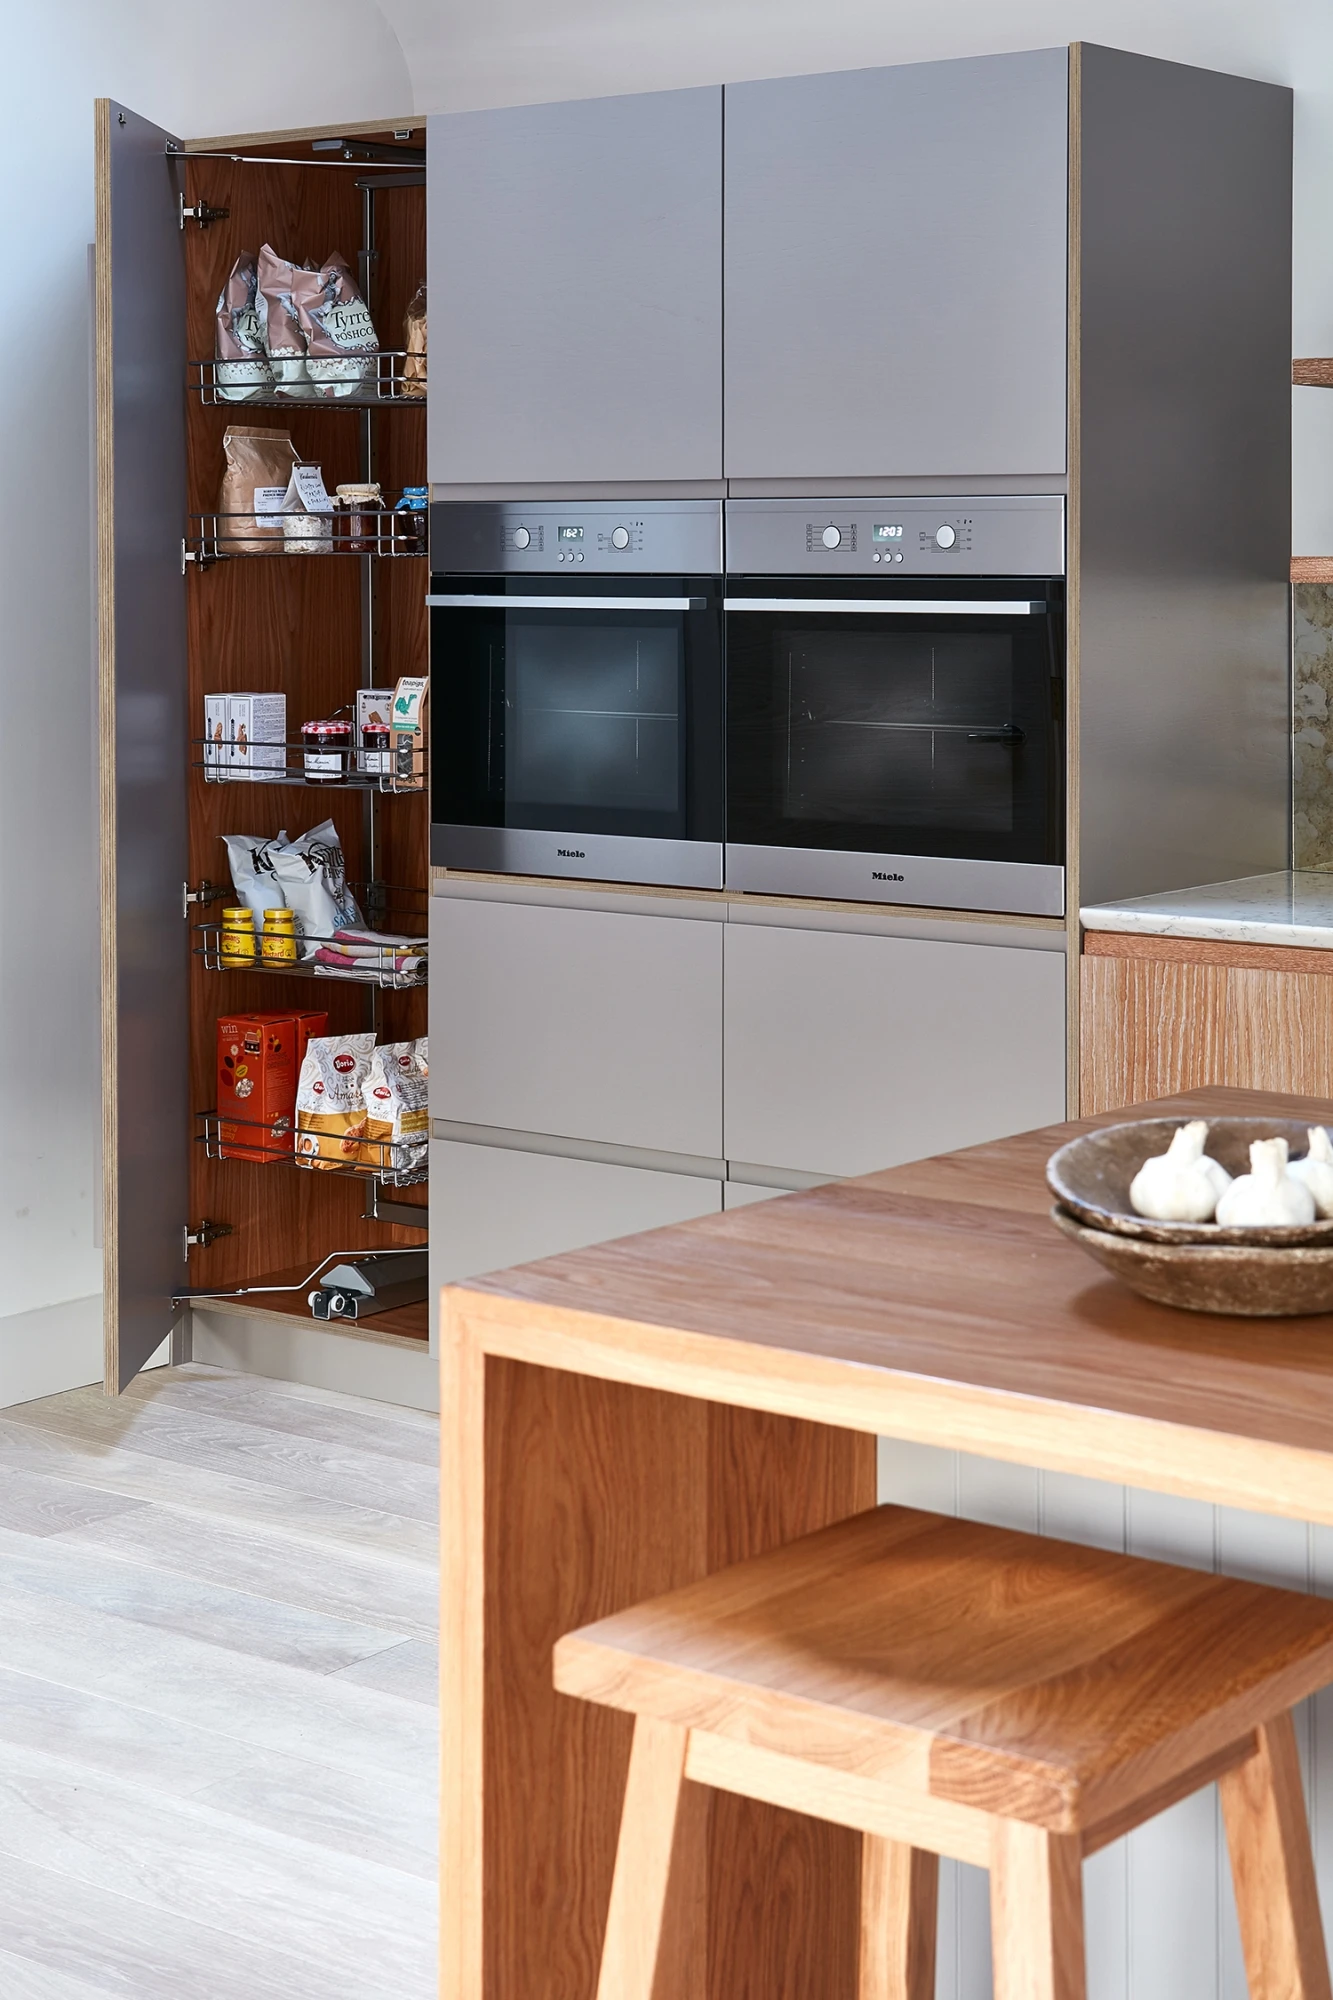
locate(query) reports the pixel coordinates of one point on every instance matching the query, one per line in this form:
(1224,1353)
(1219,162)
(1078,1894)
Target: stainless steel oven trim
(1016,888)
(580,857)
(522,603)
(902,607)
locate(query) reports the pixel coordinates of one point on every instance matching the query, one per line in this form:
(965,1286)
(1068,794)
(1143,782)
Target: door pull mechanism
(202,1237)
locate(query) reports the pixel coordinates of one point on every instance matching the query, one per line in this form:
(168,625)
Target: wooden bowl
(1090,1178)
(1255,1280)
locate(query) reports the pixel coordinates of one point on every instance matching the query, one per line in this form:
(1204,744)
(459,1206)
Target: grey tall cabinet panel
(575,258)
(896,274)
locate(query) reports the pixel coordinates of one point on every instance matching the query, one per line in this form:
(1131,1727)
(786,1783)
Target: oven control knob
(945,537)
(832,536)
(620,538)
(521,538)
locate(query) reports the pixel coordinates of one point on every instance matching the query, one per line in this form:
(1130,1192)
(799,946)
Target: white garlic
(1268,1194)
(1182,1184)
(1316,1170)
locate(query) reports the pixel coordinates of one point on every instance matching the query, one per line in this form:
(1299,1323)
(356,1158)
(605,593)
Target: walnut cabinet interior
(1166,1014)
(171,630)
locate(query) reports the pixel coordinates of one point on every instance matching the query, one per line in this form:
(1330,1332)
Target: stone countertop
(1291,907)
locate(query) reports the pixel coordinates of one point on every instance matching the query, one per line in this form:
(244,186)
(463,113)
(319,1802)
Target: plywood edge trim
(1123,1446)
(359,128)
(106,725)
(1312,569)
(1208,951)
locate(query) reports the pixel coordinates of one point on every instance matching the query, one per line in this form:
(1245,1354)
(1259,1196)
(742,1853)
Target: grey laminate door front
(142,732)
(896,271)
(575,265)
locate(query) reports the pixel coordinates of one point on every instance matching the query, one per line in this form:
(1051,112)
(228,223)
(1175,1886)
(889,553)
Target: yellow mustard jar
(278,943)
(238,937)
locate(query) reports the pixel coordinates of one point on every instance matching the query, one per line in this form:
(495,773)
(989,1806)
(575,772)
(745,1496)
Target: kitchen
(616,1026)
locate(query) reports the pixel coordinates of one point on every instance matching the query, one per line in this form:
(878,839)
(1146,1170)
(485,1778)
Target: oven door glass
(596,711)
(887,728)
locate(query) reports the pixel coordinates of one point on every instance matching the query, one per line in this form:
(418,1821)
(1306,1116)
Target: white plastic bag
(312,875)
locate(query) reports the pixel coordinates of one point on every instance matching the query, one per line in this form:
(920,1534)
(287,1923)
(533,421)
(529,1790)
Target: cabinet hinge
(207,892)
(201,1236)
(203,213)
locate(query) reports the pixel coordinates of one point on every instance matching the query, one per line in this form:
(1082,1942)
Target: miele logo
(882,875)
(577,854)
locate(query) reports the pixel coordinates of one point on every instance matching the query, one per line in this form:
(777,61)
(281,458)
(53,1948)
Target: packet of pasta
(394,1093)
(330,1111)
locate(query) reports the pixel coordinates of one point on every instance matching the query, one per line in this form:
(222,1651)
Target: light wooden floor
(217,1694)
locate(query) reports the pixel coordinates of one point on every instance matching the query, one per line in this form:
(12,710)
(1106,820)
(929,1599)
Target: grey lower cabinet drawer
(584,1024)
(491,1207)
(844,1053)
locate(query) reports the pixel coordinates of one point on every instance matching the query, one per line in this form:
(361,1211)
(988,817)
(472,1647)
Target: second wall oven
(895,701)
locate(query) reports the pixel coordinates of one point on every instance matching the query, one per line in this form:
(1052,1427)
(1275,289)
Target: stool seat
(952,1688)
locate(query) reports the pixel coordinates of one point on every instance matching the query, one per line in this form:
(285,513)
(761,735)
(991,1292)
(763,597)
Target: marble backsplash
(1312,726)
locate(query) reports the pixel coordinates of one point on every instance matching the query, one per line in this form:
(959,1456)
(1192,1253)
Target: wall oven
(895,701)
(576,689)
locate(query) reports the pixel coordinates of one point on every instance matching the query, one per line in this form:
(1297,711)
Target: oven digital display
(576,534)
(887,531)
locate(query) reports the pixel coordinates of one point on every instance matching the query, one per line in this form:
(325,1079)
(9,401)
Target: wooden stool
(953,1689)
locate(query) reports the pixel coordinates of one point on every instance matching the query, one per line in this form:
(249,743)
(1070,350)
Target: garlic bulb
(1268,1194)
(1182,1184)
(1316,1170)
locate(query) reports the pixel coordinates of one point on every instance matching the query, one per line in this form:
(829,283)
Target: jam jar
(326,747)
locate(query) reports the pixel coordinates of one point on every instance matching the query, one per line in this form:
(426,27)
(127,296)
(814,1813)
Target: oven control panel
(569,537)
(985,535)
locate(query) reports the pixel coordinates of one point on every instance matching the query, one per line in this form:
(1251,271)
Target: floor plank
(23,1979)
(242,1398)
(412,1669)
(343,1584)
(175,1601)
(112,1469)
(35,1504)
(238,1878)
(224,1445)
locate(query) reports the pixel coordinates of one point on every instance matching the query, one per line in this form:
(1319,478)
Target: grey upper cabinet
(575,267)
(896,259)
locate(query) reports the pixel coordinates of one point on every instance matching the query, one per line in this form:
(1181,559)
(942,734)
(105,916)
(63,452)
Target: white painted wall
(195,70)
(463,55)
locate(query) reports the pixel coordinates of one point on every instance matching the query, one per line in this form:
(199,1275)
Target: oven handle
(903,607)
(500,603)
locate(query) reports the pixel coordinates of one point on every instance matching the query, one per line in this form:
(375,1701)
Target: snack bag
(394,1094)
(414,344)
(242,371)
(250,858)
(330,1113)
(337,328)
(311,878)
(280,322)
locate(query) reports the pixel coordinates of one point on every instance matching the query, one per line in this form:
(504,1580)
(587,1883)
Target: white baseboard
(50,1349)
(294,1350)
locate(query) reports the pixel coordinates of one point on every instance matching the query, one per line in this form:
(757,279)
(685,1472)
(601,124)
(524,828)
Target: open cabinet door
(143,732)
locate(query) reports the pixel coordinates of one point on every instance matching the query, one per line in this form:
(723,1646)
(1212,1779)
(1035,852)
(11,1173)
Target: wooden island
(621,1420)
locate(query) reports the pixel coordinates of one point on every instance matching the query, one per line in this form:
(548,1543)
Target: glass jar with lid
(326,748)
(357,524)
(411,517)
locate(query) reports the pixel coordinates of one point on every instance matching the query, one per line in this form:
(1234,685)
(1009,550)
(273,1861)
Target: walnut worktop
(936,1302)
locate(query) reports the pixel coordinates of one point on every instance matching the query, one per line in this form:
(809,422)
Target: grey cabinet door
(491,1208)
(578,1024)
(575,267)
(845,1053)
(896,270)
(142,729)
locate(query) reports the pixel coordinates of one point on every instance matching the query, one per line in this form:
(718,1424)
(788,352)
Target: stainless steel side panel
(522,537)
(574,257)
(589,857)
(143,734)
(1013,534)
(1028,889)
(895,292)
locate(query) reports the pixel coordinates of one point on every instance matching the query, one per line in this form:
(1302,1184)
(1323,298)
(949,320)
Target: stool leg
(1272,1867)
(643,1860)
(899,1899)
(1036,1913)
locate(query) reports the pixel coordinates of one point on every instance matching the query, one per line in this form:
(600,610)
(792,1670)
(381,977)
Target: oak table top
(936,1302)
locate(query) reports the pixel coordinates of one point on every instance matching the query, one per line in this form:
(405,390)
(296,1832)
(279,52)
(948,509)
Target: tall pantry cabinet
(180,614)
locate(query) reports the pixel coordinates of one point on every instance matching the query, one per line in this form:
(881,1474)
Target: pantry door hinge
(201,1237)
(203,213)
(207,892)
